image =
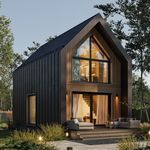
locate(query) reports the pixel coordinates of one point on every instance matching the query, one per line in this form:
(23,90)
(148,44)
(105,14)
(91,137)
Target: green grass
(4,136)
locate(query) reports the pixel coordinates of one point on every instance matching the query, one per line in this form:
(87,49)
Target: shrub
(53,132)
(128,144)
(25,140)
(3,125)
(145,127)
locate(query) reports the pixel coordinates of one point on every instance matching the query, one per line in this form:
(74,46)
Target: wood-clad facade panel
(41,79)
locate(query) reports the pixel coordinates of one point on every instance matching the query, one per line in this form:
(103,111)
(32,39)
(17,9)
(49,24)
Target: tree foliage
(136,90)
(130,22)
(6,59)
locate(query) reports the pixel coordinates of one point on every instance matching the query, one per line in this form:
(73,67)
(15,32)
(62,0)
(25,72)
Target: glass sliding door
(100,109)
(81,107)
(91,108)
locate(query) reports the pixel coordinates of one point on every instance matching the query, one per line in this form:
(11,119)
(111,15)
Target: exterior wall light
(117,97)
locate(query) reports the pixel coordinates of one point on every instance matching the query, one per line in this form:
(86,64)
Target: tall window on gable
(31,110)
(90,63)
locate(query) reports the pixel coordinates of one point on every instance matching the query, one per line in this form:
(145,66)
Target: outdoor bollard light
(67,134)
(40,138)
(149,132)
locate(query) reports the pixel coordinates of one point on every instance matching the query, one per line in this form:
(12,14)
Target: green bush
(128,144)
(53,132)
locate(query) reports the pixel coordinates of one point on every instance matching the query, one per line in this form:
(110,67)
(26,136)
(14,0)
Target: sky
(36,20)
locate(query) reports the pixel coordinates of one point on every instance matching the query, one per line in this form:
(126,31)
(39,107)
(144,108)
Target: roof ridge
(98,14)
(61,41)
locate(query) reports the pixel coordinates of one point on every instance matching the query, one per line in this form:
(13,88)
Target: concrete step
(104,138)
(106,135)
(109,136)
(103,132)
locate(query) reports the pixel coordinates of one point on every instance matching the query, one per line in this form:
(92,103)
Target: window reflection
(90,63)
(84,50)
(96,52)
(99,72)
(31,109)
(80,70)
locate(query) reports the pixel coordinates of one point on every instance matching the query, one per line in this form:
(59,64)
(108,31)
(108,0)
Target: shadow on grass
(4,136)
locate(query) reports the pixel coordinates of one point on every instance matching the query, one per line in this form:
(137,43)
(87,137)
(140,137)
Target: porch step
(104,134)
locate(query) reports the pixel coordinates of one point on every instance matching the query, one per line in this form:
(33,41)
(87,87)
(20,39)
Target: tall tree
(6,59)
(130,21)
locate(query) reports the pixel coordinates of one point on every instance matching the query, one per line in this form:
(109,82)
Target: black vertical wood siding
(40,78)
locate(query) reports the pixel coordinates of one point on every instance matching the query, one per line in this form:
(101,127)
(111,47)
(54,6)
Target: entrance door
(91,107)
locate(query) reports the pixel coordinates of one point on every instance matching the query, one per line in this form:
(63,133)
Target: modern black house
(83,73)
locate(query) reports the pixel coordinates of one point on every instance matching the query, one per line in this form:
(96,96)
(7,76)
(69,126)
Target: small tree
(6,59)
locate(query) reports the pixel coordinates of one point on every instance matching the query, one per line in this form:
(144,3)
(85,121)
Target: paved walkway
(62,145)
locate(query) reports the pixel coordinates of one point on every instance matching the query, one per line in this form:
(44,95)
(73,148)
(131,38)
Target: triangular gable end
(74,35)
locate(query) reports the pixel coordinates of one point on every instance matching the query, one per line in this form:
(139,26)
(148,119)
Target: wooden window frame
(28,110)
(90,59)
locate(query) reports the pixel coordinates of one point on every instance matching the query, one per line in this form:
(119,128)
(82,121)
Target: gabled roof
(62,40)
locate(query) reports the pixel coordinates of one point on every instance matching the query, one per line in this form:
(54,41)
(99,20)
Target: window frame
(90,59)
(28,110)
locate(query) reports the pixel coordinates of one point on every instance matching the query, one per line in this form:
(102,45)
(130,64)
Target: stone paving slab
(62,145)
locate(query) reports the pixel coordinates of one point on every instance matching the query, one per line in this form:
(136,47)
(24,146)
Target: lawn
(4,135)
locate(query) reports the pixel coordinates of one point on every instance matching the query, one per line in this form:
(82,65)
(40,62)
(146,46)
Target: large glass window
(31,109)
(91,108)
(90,63)
(80,70)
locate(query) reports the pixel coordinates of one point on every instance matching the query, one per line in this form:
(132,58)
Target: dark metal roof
(58,43)
(62,40)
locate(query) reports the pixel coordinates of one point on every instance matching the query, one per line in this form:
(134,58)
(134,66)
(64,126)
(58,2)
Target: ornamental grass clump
(26,140)
(145,128)
(25,136)
(25,145)
(53,132)
(129,143)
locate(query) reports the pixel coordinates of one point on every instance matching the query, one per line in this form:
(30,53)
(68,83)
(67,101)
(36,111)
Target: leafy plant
(53,132)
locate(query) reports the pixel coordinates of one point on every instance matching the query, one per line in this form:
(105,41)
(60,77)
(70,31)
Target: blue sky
(36,20)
